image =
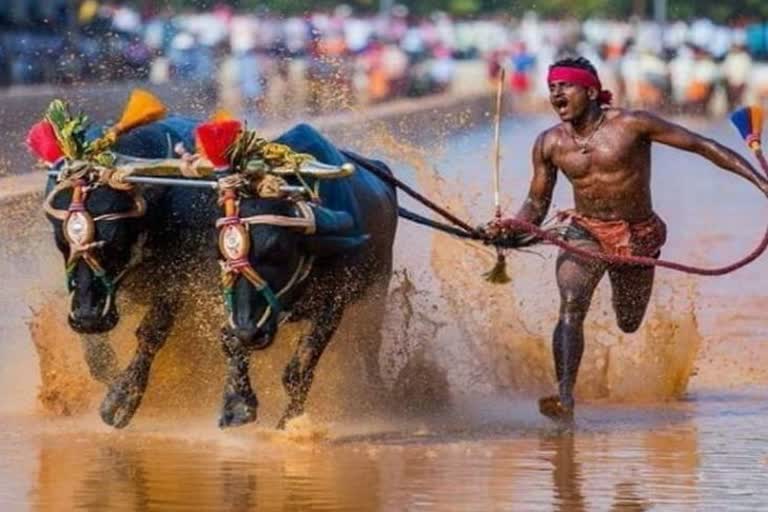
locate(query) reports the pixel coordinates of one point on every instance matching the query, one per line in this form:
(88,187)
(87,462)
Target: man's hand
(491,230)
(763,184)
(499,230)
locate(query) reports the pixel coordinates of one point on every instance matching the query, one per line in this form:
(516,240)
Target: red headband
(580,77)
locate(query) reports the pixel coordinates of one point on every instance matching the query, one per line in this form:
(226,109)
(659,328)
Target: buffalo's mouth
(94,324)
(100,318)
(254,339)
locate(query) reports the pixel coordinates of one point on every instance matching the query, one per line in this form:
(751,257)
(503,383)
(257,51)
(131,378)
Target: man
(606,155)
(736,69)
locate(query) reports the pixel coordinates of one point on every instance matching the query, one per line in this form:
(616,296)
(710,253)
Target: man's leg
(576,279)
(632,288)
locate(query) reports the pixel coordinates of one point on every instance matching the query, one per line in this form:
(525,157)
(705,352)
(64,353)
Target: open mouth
(561,105)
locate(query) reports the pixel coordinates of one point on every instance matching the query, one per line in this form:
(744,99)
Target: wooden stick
(497,144)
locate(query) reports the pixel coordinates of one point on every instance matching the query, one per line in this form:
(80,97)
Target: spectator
(522,63)
(702,85)
(736,70)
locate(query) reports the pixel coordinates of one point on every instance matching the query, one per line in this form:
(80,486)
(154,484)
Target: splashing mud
(66,384)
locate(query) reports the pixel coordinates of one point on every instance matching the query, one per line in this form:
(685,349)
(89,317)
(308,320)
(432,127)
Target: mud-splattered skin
(338,277)
(606,156)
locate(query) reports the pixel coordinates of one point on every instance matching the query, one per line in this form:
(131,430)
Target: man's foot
(553,408)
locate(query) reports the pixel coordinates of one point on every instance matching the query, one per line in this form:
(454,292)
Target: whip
(498,274)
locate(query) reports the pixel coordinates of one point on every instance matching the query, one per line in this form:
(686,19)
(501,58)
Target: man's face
(570,101)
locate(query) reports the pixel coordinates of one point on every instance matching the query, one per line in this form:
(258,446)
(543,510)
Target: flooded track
(673,417)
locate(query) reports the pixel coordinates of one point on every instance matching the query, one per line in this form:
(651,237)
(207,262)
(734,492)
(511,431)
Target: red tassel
(215,138)
(41,140)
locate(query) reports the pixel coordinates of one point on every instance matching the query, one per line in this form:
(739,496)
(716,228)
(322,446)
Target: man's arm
(670,134)
(536,205)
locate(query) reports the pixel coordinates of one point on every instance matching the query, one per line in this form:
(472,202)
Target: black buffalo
(168,244)
(352,251)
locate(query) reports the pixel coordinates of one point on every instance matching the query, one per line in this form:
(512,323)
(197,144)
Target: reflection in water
(627,498)
(667,474)
(566,472)
(619,469)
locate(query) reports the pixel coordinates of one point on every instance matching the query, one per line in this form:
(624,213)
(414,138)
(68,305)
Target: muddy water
(672,417)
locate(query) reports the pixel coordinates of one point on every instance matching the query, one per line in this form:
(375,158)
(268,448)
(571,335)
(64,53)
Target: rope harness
(79,227)
(235,245)
(536,234)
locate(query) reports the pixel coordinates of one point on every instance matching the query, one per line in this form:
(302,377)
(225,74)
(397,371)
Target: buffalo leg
(298,375)
(127,389)
(240,402)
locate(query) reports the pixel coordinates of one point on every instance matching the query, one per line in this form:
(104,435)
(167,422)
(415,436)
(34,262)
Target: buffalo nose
(252,337)
(91,323)
(246,334)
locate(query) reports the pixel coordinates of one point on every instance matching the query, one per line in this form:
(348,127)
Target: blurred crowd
(338,57)
(327,58)
(698,67)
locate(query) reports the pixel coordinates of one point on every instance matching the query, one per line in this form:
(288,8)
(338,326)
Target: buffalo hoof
(124,397)
(239,409)
(293,410)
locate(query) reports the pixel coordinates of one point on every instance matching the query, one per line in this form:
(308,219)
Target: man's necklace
(583,142)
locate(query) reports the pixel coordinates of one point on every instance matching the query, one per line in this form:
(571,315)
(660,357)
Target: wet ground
(673,417)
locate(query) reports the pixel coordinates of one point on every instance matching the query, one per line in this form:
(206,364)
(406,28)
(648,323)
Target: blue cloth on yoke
(339,219)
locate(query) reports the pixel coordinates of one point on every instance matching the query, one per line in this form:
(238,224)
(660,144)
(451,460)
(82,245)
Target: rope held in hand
(464,230)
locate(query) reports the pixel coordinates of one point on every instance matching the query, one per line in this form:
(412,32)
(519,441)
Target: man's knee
(573,308)
(630,322)
(630,311)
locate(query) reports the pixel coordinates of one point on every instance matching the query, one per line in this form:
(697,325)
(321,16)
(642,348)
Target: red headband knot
(580,77)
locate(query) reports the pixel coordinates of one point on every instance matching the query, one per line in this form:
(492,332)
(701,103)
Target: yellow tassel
(756,113)
(142,108)
(498,274)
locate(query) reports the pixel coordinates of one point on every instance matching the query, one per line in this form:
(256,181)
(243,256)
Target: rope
(439,226)
(509,243)
(466,231)
(383,174)
(641,260)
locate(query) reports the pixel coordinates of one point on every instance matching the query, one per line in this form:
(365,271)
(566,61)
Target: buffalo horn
(316,169)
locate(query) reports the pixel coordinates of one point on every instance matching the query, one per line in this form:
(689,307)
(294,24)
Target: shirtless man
(606,155)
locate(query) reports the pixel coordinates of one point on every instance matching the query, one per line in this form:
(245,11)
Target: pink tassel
(215,138)
(42,141)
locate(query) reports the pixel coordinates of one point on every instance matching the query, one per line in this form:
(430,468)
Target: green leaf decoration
(251,154)
(69,130)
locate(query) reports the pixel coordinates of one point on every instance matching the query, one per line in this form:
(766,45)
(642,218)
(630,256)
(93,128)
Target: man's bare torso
(611,180)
